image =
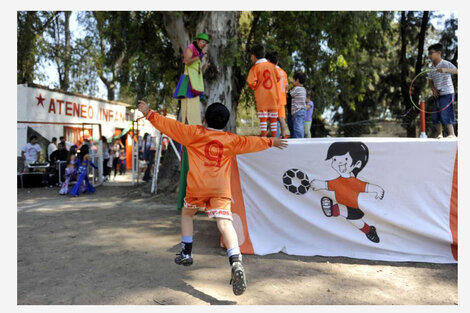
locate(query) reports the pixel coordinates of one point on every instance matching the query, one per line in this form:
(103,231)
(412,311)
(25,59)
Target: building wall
(39,104)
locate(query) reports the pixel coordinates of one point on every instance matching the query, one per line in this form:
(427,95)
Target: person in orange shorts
(210,152)
(263,79)
(282,90)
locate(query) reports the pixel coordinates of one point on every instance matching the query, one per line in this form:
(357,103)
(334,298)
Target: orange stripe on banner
(454,211)
(238,207)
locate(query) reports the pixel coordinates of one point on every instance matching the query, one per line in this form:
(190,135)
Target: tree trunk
(59,51)
(26,46)
(421,37)
(221,83)
(418,86)
(410,113)
(420,83)
(67,49)
(220,80)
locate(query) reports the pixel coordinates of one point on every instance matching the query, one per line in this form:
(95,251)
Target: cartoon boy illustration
(348,159)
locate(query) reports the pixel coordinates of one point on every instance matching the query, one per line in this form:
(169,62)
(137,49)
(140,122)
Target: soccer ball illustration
(296,181)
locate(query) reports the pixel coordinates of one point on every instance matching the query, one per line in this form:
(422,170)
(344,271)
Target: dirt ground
(117,246)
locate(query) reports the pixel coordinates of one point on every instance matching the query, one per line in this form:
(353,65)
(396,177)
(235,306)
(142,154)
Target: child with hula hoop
(440,82)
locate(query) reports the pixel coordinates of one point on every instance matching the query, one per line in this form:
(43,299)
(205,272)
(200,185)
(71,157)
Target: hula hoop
(411,98)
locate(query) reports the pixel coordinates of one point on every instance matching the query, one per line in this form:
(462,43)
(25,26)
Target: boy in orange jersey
(282,90)
(263,79)
(210,152)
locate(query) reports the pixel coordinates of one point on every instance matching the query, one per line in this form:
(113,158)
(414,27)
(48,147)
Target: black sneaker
(372,235)
(183,259)
(327,206)
(238,280)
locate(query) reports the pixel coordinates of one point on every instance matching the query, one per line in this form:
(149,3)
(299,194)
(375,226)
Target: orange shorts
(213,206)
(282,111)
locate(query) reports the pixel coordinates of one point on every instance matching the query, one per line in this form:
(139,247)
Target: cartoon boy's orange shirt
(263,78)
(347,190)
(210,154)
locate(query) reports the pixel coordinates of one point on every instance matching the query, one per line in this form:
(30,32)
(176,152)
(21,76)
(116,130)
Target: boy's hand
(435,93)
(279,143)
(143,107)
(447,70)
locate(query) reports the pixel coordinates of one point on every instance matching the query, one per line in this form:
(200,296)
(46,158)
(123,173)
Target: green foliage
(351,58)
(30,27)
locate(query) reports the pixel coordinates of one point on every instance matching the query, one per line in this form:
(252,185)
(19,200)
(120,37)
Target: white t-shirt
(30,151)
(51,148)
(443,81)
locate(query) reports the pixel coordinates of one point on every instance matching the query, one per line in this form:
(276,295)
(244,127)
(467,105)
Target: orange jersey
(263,78)
(347,190)
(283,84)
(210,154)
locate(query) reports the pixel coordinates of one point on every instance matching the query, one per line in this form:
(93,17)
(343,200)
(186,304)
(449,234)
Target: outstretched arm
(448,70)
(176,130)
(317,184)
(248,144)
(379,192)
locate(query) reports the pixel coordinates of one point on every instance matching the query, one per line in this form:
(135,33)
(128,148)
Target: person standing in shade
(106,157)
(298,111)
(116,151)
(31,151)
(51,148)
(149,157)
(67,144)
(308,116)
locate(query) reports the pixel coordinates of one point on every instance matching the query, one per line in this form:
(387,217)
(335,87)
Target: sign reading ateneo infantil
(36,104)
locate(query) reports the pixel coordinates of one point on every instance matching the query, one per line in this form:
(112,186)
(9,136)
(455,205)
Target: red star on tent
(40,100)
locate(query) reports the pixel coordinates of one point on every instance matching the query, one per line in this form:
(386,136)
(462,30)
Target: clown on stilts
(189,90)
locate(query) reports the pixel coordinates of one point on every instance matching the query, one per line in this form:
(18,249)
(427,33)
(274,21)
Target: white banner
(43,105)
(391,199)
